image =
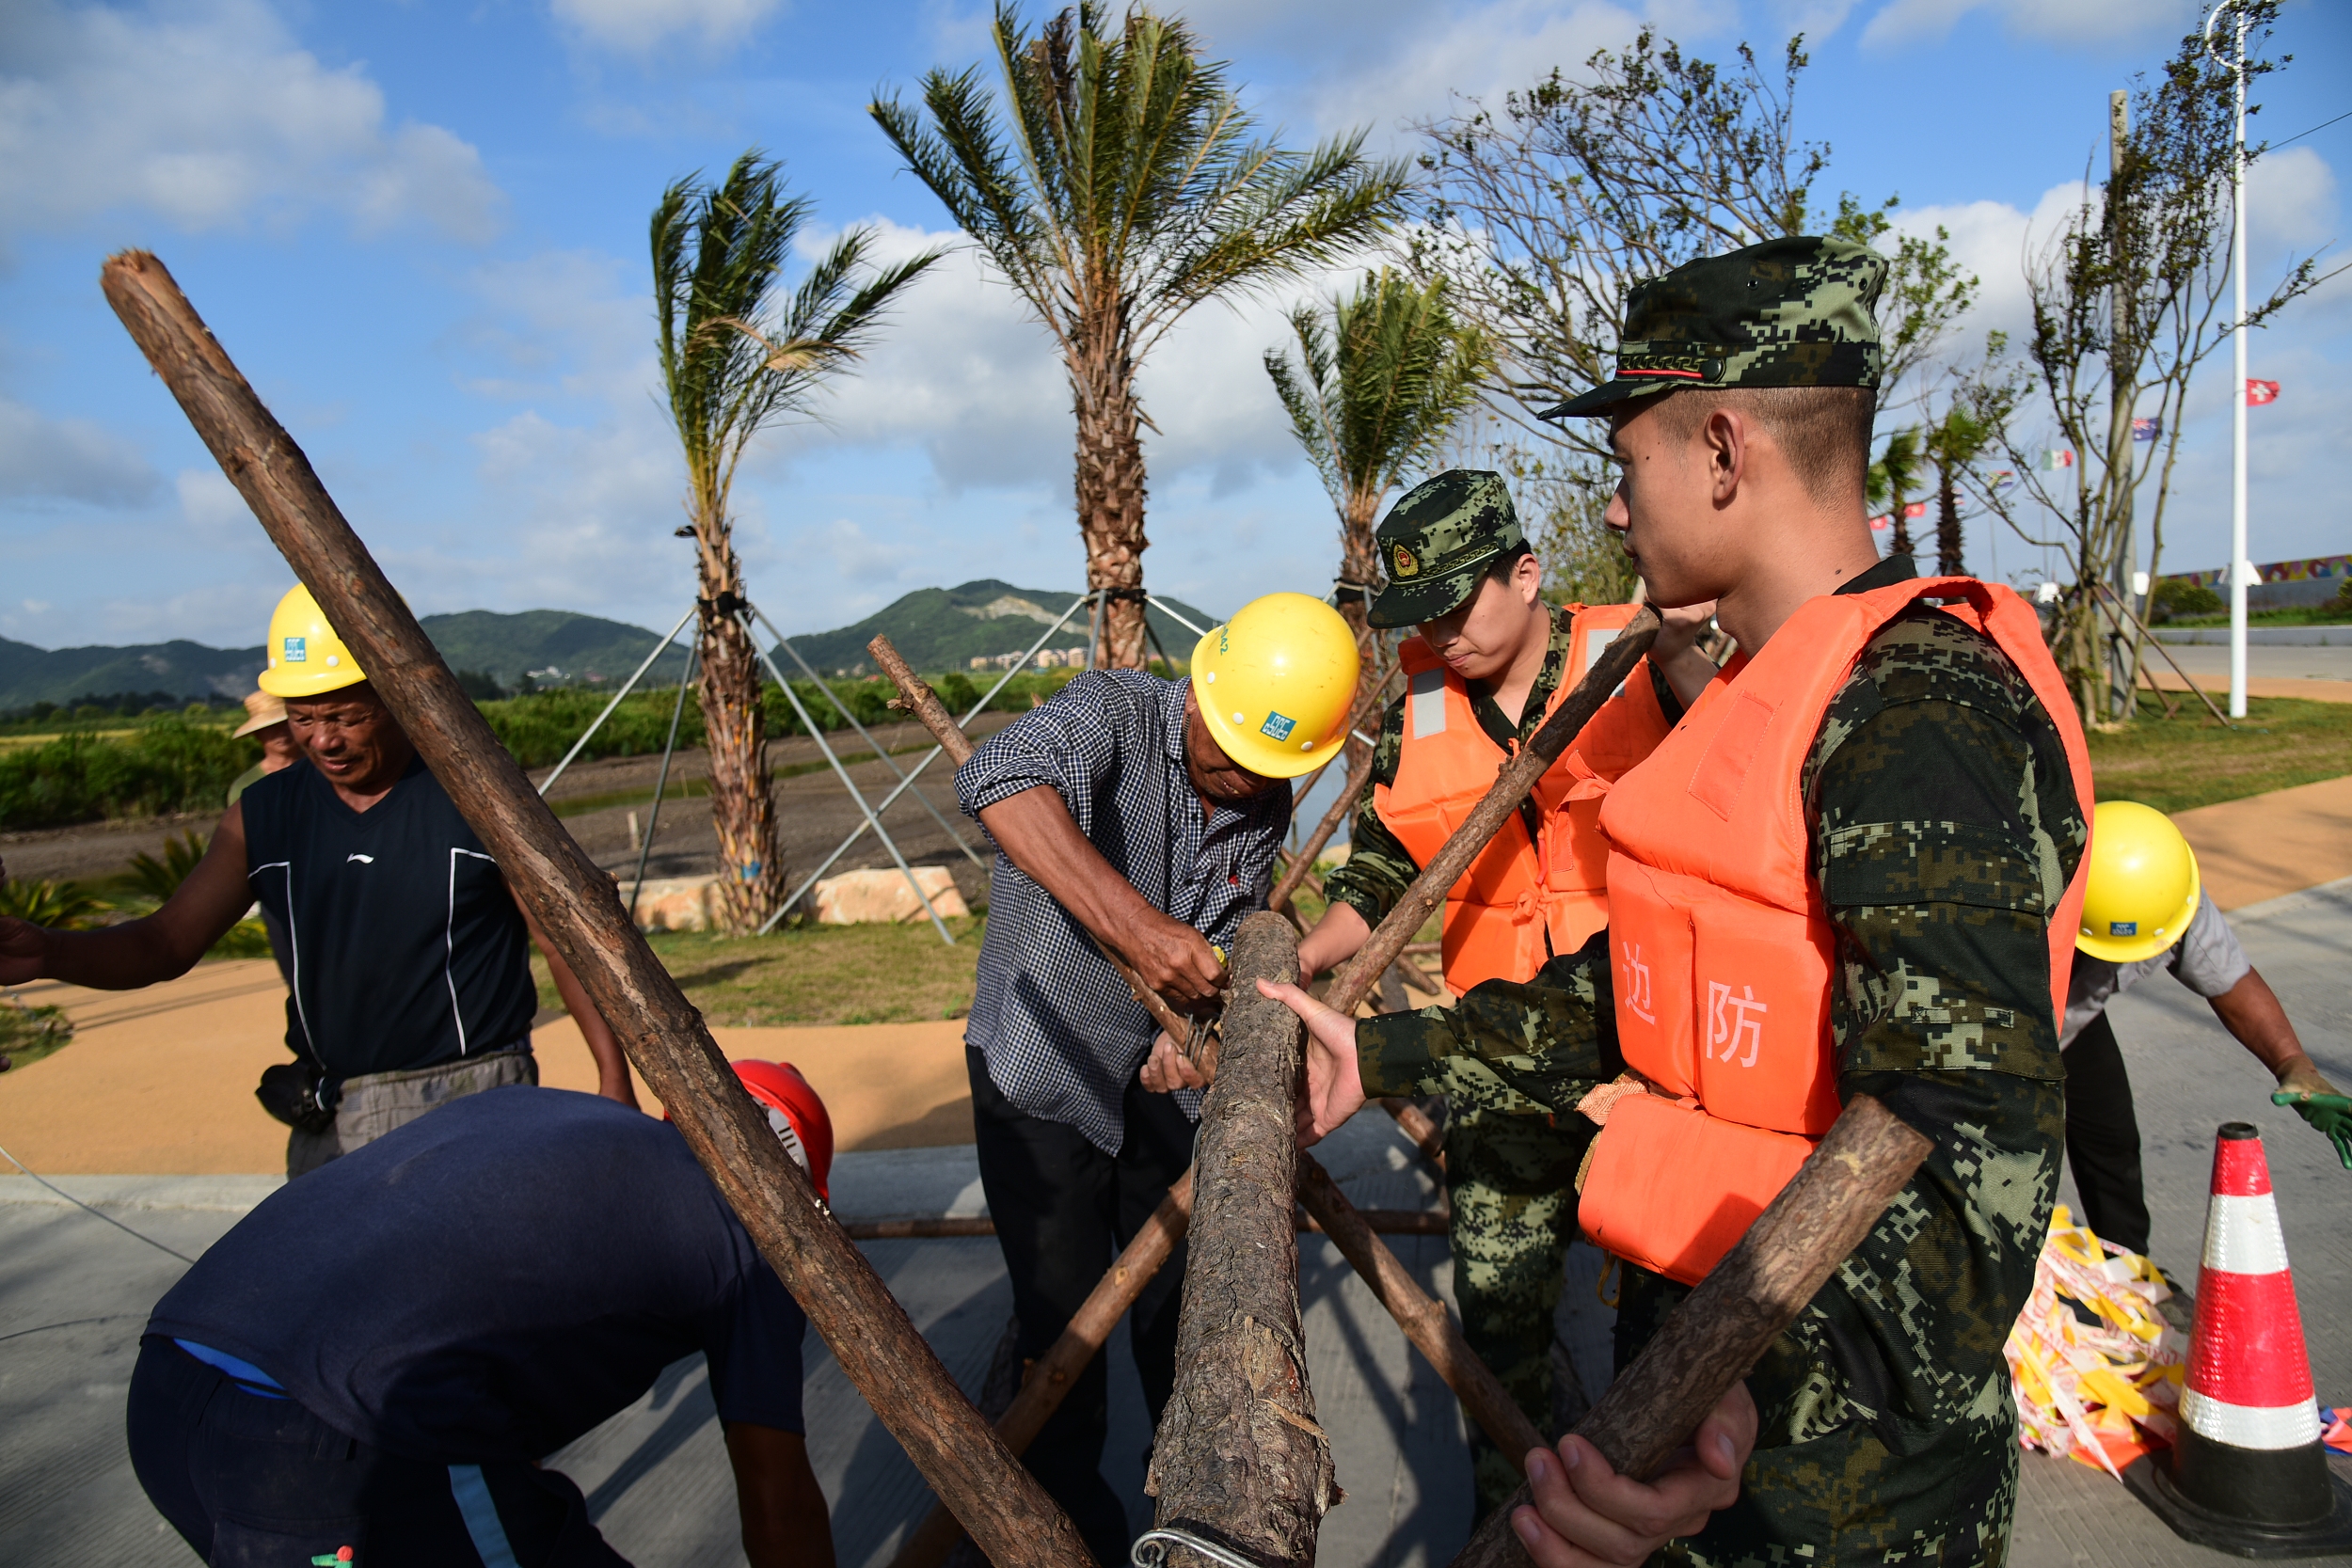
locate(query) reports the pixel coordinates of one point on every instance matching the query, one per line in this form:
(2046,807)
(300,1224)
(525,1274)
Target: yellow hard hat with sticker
(2143,888)
(1276,682)
(305,657)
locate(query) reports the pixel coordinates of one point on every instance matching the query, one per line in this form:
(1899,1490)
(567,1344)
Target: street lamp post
(2241,569)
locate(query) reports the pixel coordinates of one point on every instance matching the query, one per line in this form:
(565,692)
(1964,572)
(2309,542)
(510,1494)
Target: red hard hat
(795,1111)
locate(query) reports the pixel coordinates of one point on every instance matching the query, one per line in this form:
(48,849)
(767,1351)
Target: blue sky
(421,230)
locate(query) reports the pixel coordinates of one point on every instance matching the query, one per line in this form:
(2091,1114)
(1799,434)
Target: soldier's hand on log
(1333,1089)
(1585,1514)
(1172,958)
(1167,1070)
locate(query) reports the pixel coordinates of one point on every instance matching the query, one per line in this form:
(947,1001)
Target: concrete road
(73,1292)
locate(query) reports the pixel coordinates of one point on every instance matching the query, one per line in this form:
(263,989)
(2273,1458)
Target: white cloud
(2291,200)
(635,24)
(1903,23)
(209,115)
(51,459)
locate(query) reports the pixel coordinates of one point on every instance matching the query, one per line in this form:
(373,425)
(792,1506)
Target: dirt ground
(813,814)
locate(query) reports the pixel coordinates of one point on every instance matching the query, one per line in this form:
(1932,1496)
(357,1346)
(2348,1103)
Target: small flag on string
(1880,523)
(2259,393)
(2005,478)
(2147,430)
(1914,509)
(2059,457)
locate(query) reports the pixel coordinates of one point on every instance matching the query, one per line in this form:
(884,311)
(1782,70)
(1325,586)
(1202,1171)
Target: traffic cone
(2247,1474)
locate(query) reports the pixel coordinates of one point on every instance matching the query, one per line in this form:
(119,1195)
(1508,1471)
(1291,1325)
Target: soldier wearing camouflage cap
(1855,867)
(1492,660)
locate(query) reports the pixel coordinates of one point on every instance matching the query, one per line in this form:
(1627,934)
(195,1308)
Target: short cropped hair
(1825,431)
(1503,566)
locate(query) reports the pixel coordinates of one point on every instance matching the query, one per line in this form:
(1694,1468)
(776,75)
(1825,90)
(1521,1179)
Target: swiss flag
(2258,392)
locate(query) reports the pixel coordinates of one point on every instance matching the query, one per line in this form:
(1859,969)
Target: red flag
(1915,509)
(2259,393)
(1881,523)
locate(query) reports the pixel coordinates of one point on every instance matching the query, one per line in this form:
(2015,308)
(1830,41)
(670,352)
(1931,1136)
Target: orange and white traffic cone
(2247,1474)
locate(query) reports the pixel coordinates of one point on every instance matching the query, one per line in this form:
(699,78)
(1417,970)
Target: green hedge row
(175,765)
(171,765)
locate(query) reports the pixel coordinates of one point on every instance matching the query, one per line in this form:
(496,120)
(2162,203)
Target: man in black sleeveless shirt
(410,958)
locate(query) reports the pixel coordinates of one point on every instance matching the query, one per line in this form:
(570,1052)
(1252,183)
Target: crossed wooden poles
(1248,1169)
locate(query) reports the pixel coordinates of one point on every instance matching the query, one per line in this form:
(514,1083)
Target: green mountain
(937,629)
(946,628)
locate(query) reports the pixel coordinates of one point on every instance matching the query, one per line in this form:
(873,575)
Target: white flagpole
(2241,569)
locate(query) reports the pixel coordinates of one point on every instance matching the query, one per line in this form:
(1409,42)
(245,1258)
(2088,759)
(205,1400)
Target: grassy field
(2188,761)
(819,974)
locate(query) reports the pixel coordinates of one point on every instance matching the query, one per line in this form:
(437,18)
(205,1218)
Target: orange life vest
(1515,892)
(1722,948)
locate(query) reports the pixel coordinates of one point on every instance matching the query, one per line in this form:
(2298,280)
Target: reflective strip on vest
(1519,902)
(1722,955)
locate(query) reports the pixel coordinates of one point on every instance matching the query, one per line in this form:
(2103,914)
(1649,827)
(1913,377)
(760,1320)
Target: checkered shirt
(1060,1031)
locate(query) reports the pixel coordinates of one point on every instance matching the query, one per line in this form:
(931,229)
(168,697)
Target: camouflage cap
(1438,540)
(1792,312)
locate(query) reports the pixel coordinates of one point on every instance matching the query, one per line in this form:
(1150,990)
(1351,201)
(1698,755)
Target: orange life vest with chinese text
(1516,893)
(1722,947)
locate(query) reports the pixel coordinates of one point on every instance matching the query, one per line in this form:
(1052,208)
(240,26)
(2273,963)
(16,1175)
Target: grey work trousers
(373,1103)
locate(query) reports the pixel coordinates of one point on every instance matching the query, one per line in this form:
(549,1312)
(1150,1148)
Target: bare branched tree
(2128,300)
(1380,379)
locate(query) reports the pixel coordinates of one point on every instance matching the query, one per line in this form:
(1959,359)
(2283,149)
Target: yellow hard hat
(2142,889)
(1275,683)
(305,657)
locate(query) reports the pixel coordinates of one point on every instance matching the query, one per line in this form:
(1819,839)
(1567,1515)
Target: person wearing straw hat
(266,721)
(409,957)
(2145,910)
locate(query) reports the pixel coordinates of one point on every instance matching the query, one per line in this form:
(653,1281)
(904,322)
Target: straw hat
(262,711)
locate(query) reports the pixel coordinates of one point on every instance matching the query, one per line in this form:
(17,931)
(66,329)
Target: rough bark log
(1110,481)
(1724,1325)
(735,725)
(1382,1222)
(576,904)
(1238,1457)
(1424,1319)
(1518,776)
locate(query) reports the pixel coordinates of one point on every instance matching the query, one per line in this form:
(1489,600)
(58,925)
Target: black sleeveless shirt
(407,948)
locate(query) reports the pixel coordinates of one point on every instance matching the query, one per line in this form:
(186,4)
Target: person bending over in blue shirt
(371,1366)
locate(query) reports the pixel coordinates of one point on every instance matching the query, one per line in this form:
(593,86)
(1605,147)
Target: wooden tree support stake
(1239,1457)
(574,903)
(1724,1325)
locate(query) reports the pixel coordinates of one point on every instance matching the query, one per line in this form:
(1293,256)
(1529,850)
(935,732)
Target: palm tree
(1891,480)
(1117,190)
(1953,447)
(737,353)
(1379,383)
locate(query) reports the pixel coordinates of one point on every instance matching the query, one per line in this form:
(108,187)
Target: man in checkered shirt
(1119,814)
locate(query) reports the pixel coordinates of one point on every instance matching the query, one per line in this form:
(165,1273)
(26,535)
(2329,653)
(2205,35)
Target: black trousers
(2103,1137)
(1063,1209)
(252,1482)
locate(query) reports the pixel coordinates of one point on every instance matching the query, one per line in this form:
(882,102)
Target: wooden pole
(1238,1457)
(1351,791)
(1724,1325)
(574,903)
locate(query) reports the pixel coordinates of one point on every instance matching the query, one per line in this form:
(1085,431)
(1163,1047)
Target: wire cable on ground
(87,1209)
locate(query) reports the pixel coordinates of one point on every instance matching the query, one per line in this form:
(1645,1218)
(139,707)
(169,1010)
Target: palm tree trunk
(1948,538)
(751,877)
(1902,543)
(1359,563)
(1110,485)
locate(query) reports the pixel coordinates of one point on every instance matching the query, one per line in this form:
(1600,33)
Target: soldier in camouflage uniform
(1509,1174)
(1943,831)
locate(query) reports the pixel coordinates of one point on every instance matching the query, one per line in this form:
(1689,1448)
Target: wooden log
(1424,1319)
(1351,791)
(1512,784)
(575,905)
(1238,1457)
(1381,1222)
(1725,1325)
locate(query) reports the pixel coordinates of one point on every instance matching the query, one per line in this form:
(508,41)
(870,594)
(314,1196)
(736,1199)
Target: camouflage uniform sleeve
(1548,1041)
(1377,869)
